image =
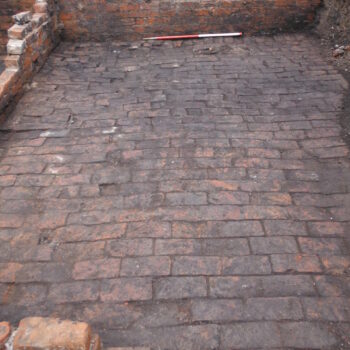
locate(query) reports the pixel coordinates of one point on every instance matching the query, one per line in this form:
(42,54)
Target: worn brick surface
(187,195)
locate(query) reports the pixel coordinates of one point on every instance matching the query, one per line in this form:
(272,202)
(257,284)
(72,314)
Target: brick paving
(188,195)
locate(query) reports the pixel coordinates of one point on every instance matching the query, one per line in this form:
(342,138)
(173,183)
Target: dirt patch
(333,29)
(334,21)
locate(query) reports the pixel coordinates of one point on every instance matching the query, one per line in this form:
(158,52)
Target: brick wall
(30,42)
(7,9)
(133,19)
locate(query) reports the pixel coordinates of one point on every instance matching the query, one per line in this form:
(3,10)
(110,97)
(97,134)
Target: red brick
(49,333)
(8,272)
(337,265)
(321,246)
(273,245)
(306,335)
(148,229)
(180,287)
(295,263)
(10,221)
(271,199)
(264,153)
(7,180)
(333,286)
(177,247)
(327,309)
(145,266)
(262,286)
(97,268)
(225,246)
(251,335)
(71,292)
(225,197)
(126,289)
(193,265)
(325,228)
(77,233)
(246,265)
(5,331)
(130,247)
(285,228)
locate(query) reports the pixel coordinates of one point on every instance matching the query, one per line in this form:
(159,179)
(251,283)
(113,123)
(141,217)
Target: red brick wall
(30,42)
(7,9)
(133,19)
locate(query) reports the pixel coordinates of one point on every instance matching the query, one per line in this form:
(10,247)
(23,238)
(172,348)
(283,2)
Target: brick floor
(189,195)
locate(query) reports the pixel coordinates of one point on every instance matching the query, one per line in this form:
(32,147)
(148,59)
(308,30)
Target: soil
(333,30)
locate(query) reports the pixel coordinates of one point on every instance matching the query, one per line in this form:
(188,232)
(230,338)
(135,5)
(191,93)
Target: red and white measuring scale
(193,36)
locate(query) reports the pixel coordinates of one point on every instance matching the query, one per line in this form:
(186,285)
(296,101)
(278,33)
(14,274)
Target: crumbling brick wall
(134,19)
(30,42)
(7,9)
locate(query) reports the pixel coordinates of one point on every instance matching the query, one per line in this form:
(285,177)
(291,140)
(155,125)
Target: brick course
(130,20)
(9,8)
(31,40)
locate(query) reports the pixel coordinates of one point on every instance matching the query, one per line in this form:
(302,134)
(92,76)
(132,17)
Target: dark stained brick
(97,268)
(273,245)
(326,228)
(194,265)
(145,266)
(74,292)
(307,335)
(225,246)
(225,197)
(288,263)
(333,285)
(180,287)
(129,247)
(322,246)
(262,309)
(126,289)
(251,335)
(337,265)
(177,247)
(285,228)
(246,265)
(327,309)
(267,286)
(148,229)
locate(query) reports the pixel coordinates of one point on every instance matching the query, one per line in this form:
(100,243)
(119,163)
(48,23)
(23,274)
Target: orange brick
(49,333)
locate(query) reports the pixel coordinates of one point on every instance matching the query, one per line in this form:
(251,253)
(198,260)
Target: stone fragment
(16,47)
(22,17)
(95,343)
(41,7)
(19,31)
(5,331)
(338,52)
(39,18)
(13,61)
(50,334)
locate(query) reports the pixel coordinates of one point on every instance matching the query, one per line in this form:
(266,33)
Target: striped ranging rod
(193,36)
